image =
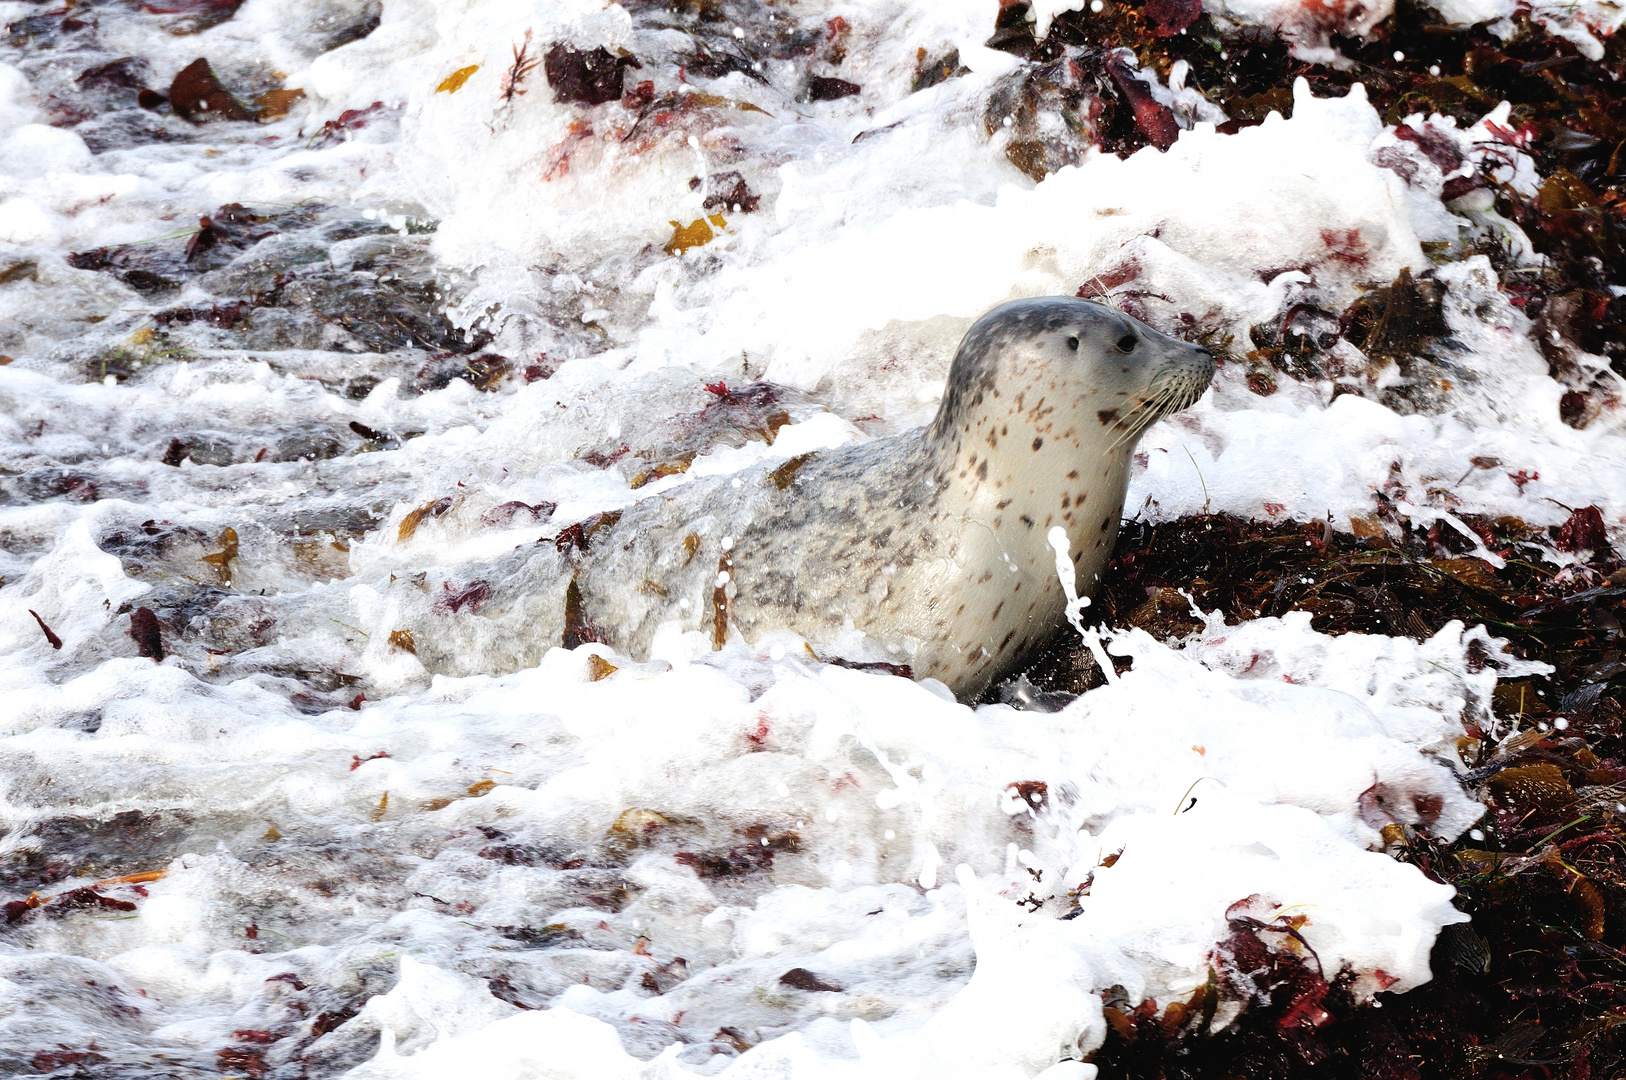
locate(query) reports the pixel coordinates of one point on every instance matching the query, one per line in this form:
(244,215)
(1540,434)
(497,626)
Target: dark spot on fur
(1007,640)
(1038,442)
(982,471)
(1107,416)
(1028,520)
(1106,523)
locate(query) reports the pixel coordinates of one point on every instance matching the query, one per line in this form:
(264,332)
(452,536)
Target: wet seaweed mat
(1568,114)
(1536,984)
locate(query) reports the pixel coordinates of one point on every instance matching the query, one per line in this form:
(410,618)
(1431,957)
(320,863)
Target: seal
(931,545)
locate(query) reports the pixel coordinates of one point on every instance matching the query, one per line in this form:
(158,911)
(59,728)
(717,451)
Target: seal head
(1045,402)
(1135,373)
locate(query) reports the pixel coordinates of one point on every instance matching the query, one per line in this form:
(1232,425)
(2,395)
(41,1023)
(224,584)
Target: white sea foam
(498,875)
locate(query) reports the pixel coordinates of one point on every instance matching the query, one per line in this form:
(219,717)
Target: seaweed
(247,1061)
(197,95)
(349,120)
(1568,113)
(590,77)
(726,191)
(470,596)
(1536,984)
(828,88)
(50,635)
(579,628)
(144,630)
(755,854)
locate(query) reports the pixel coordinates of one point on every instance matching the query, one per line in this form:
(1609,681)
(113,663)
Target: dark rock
(803,979)
(128,73)
(343,24)
(148,283)
(195,15)
(309,445)
(72,845)
(201,449)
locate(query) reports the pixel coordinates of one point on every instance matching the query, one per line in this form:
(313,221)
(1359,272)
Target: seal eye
(1127,343)
(1072,343)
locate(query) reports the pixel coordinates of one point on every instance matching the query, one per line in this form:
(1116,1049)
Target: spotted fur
(933,542)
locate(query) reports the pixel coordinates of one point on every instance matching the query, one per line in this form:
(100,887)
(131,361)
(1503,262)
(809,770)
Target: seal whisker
(1160,405)
(1144,415)
(1129,428)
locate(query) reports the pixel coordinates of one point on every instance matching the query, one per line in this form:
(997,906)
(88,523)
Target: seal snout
(1201,365)
(1185,376)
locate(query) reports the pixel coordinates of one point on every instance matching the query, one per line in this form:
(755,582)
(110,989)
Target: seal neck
(1023,462)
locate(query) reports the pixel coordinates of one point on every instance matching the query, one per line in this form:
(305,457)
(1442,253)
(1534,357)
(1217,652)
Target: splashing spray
(1076,604)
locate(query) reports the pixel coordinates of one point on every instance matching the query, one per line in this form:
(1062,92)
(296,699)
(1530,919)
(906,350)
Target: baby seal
(932,543)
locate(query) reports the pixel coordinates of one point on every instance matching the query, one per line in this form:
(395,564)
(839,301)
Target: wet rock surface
(295,281)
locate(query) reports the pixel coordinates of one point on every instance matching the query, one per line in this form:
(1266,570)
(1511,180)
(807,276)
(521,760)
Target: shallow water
(292,430)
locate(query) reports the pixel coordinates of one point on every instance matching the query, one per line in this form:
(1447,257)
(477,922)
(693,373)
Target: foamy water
(305,428)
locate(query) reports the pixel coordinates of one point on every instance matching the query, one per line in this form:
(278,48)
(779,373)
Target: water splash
(1076,604)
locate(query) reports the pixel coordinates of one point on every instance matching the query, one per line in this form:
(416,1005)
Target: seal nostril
(1072,343)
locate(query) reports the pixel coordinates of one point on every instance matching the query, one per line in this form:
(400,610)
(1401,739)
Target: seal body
(932,544)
